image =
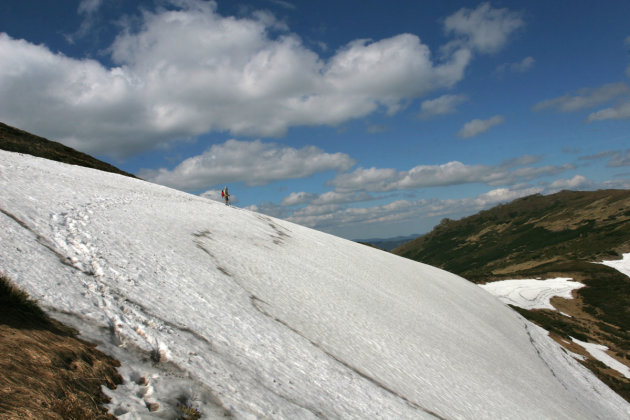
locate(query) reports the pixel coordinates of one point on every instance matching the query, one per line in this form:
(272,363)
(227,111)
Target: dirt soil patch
(46,372)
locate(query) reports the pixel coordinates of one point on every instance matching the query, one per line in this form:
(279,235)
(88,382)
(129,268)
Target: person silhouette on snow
(225,195)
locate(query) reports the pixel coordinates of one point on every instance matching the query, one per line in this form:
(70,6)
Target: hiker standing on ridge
(226,195)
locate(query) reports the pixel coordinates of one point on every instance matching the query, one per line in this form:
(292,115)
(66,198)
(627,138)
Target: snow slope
(261,318)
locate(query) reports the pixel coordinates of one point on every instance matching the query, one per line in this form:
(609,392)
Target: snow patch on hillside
(532,293)
(622,265)
(598,351)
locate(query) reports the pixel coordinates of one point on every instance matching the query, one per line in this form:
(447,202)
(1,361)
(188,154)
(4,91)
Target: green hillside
(559,235)
(527,233)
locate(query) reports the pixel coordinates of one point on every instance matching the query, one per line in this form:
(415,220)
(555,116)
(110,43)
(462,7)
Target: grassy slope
(15,140)
(49,373)
(560,235)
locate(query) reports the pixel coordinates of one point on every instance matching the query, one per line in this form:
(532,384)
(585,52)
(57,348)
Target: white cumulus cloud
(500,195)
(476,126)
(89,6)
(296,198)
(370,179)
(187,70)
(484,29)
(568,184)
(620,111)
(335,218)
(325,199)
(254,163)
(447,174)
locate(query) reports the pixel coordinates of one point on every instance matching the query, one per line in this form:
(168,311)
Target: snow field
(243,313)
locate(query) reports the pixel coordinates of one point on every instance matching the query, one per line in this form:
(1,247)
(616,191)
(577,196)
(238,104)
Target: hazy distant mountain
(387,244)
(15,140)
(559,235)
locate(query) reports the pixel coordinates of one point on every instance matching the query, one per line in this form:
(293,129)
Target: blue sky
(359,118)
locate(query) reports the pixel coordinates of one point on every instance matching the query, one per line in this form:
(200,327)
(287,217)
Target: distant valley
(388,244)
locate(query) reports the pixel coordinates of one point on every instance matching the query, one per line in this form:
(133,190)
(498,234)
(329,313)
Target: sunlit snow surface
(622,265)
(532,293)
(262,318)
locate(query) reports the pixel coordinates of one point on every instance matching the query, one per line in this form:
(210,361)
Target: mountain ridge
(514,229)
(15,140)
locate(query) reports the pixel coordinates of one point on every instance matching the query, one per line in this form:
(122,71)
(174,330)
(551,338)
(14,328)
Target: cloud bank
(584,98)
(325,217)
(254,163)
(448,174)
(617,95)
(187,70)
